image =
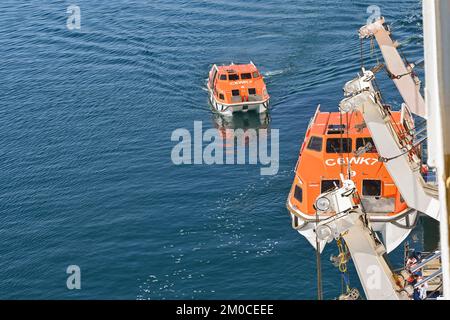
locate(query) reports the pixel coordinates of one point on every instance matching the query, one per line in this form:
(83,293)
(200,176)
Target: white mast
(436,18)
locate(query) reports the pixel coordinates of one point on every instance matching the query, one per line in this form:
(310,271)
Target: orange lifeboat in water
(237,88)
(340,144)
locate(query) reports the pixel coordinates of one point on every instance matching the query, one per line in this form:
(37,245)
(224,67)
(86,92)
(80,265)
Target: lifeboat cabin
(237,88)
(338,144)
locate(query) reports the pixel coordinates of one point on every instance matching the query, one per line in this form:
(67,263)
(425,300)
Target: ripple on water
(85,125)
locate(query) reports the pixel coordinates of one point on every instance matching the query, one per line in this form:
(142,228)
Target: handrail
(429,278)
(230,105)
(436,255)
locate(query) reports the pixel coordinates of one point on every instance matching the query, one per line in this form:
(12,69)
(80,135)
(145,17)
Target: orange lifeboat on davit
(237,88)
(340,144)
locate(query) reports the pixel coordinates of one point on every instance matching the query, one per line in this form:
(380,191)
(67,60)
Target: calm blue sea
(86,118)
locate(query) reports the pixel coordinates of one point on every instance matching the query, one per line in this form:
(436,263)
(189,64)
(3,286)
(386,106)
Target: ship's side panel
(436,15)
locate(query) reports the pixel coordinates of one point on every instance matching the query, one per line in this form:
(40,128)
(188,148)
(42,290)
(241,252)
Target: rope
(361,52)
(341,147)
(349,165)
(346,281)
(398,130)
(381,159)
(342,264)
(372,46)
(319,265)
(342,255)
(395,76)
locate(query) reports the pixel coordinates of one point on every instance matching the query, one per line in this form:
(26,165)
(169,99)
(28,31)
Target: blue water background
(86,118)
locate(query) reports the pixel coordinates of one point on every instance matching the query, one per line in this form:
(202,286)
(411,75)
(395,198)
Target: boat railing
(435,255)
(313,119)
(254,97)
(432,276)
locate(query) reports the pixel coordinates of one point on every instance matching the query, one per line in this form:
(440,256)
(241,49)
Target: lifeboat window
(246,76)
(233,77)
(251,91)
(371,188)
(363,142)
(255,74)
(315,143)
(223,77)
(338,145)
(221,97)
(298,193)
(235,93)
(328,185)
(336,129)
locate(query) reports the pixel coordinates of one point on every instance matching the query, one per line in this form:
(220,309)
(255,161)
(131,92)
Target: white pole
(436,22)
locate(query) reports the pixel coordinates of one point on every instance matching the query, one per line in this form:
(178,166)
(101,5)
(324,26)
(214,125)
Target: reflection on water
(430,234)
(86,119)
(425,236)
(252,124)
(242,120)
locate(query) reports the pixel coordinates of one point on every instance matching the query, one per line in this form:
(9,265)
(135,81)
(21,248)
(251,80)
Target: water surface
(85,123)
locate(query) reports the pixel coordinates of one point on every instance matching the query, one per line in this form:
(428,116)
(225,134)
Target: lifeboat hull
(229,109)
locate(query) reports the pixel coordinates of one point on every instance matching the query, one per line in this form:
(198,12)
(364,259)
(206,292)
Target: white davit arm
(407,85)
(374,273)
(377,279)
(406,175)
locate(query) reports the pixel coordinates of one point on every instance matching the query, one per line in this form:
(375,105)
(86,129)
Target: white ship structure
(343,216)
